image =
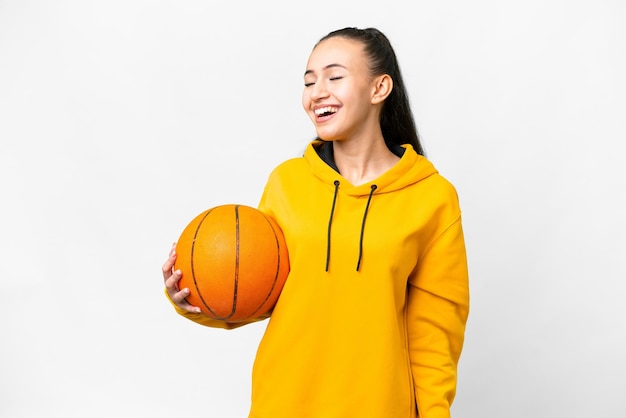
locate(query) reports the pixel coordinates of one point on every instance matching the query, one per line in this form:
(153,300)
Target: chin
(327,137)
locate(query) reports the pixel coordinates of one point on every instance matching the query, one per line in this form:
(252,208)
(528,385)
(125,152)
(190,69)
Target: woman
(371,320)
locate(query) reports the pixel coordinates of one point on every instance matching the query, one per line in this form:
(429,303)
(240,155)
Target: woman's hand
(171,278)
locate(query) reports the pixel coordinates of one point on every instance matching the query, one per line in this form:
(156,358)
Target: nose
(319,90)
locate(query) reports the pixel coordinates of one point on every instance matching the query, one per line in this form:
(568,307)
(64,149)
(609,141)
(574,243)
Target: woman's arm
(437,310)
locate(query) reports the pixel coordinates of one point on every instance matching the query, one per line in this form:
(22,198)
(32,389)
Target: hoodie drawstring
(330,221)
(369,199)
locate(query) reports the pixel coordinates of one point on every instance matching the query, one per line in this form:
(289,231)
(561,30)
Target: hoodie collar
(410,169)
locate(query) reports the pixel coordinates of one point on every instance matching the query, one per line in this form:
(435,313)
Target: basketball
(234,261)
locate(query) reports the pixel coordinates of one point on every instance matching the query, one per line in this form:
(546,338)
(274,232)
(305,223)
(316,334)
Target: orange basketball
(234,261)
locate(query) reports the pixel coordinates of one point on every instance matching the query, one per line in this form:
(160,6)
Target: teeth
(327,109)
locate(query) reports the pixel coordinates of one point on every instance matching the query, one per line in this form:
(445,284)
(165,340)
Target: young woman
(371,320)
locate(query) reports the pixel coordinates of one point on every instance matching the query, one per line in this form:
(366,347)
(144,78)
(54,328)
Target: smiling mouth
(326,111)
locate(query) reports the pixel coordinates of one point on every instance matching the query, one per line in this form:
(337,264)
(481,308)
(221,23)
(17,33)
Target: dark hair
(396,119)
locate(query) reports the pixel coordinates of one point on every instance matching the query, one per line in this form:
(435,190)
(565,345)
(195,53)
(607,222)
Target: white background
(121,120)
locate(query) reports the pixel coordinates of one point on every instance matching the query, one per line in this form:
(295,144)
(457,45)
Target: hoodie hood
(410,169)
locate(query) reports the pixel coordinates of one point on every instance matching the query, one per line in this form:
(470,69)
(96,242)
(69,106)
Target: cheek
(306,101)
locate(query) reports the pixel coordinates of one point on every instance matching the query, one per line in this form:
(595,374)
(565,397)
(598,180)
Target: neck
(361,161)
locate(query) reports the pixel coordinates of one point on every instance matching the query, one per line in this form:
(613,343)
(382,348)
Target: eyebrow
(326,68)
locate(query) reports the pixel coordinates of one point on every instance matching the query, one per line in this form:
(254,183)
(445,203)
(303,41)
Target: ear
(382,88)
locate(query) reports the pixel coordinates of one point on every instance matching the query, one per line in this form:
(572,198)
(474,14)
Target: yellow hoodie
(370,323)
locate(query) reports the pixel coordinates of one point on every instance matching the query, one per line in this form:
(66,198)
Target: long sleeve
(437,311)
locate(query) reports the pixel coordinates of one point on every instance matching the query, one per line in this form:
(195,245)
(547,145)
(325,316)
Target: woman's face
(338,90)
